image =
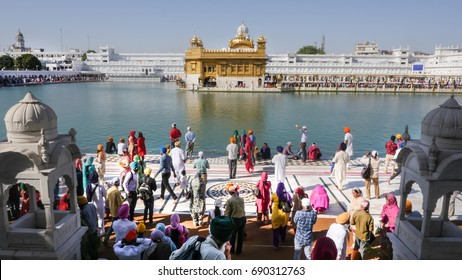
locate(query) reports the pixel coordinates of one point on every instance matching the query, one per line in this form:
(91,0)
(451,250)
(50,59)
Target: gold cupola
(242,39)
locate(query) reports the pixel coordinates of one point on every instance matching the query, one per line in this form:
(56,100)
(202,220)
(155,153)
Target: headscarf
(342,146)
(282,193)
(175,220)
(391,199)
(132,133)
(264,176)
(94,178)
(324,249)
(300,191)
(89,161)
(161,227)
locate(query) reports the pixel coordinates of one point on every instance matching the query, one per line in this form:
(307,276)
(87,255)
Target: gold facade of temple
(241,60)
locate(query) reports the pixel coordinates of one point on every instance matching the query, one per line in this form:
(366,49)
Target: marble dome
(25,120)
(242,30)
(444,122)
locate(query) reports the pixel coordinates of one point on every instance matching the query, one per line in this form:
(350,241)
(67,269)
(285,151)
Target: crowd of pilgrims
(16,80)
(380,82)
(115,200)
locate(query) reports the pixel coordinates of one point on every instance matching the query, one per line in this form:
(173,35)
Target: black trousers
(166,186)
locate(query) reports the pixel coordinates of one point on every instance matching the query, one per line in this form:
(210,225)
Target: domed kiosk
(35,155)
(433,164)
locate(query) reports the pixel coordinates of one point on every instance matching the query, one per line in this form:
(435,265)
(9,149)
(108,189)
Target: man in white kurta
(178,159)
(341,160)
(280,164)
(348,140)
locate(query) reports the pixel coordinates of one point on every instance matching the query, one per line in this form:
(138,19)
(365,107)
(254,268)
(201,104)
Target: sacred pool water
(98,110)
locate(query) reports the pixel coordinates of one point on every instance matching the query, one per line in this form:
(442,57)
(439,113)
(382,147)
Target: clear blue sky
(166,26)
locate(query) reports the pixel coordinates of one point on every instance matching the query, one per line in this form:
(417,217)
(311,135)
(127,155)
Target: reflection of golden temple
(240,66)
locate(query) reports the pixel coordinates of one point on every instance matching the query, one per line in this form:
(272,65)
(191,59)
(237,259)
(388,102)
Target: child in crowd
(184,183)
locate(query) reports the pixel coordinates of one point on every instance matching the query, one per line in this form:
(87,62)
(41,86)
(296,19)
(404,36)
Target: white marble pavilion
(36,155)
(433,164)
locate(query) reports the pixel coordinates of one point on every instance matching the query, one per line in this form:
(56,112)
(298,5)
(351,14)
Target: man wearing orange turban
(348,140)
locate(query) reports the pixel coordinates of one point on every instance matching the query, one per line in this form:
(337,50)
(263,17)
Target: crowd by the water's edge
(99,199)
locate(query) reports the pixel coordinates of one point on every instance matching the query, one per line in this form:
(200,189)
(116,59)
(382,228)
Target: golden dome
(196,42)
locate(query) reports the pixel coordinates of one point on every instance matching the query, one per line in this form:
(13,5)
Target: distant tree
(6,62)
(310,50)
(84,56)
(27,62)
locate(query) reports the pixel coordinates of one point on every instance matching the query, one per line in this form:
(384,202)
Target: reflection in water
(100,110)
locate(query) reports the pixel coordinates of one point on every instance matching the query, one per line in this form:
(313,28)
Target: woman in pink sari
(132,145)
(389,213)
(319,199)
(264,198)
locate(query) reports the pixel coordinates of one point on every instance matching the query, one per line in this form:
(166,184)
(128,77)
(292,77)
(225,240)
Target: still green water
(102,109)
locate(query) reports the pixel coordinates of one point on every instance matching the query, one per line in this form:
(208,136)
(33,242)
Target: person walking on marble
(87,169)
(115,199)
(235,209)
(197,200)
(190,138)
(100,163)
(373,159)
(341,160)
(364,228)
(348,140)
(130,185)
(305,220)
(280,163)
(132,150)
(391,148)
(263,198)
(97,196)
(233,152)
(201,164)
(166,169)
(141,146)
(178,160)
(175,135)
(304,137)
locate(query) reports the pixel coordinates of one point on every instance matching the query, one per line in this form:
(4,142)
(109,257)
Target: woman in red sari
(140,143)
(248,158)
(264,198)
